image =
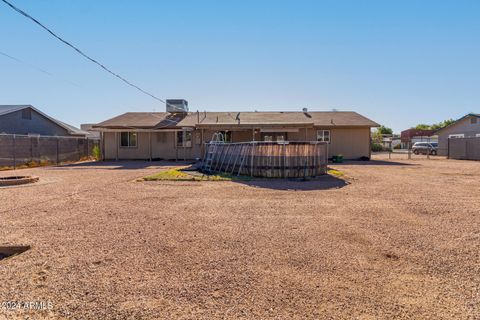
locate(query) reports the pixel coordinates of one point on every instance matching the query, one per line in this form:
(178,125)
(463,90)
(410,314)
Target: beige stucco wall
(163,146)
(112,144)
(352,143)
(463,126)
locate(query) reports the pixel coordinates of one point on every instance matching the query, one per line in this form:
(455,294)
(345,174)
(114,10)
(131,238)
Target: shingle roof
(141,120)
(317,118)
(5,109)
(157,120)
(477,115)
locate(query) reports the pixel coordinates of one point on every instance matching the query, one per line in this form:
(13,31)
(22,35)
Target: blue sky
(398,62)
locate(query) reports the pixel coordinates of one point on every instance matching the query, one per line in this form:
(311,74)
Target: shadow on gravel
(10,251)
(326,182)
(374,163)
(120,165)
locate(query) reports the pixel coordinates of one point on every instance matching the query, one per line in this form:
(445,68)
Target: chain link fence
(410,153)
(20,150)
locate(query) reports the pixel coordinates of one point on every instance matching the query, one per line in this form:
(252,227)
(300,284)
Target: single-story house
(390,141)
(179,134)
(27,120)
(467,126)
(91,133)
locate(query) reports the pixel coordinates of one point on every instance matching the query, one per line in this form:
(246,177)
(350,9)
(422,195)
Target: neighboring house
(390,141)
(27,120)
(467,126)
(92,134)
(180,134)
(410,136)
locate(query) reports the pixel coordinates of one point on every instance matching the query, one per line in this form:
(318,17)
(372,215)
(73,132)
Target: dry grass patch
(177,174)
(336,173)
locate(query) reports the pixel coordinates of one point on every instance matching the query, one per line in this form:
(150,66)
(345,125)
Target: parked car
(425,148)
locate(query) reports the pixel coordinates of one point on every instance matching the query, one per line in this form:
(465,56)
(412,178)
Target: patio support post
(102,139)
(184,147)
(117,142)
(175,145)
(150,145)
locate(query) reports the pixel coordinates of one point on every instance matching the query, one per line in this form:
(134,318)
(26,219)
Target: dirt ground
(402,240)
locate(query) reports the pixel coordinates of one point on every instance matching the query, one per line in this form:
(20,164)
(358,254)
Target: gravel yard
(402,240)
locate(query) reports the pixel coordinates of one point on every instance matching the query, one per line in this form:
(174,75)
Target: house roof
(142,120)
(159,120)
(417,132)
(88,128)
(5,109)
(477,115)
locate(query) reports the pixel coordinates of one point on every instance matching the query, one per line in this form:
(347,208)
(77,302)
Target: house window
(273,136)
(184,139)
(27,114)
(128,139)
(323,135)
(473,120)
(459,135)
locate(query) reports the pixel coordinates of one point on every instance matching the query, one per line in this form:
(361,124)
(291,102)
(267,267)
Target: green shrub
(376,147)
(96,152)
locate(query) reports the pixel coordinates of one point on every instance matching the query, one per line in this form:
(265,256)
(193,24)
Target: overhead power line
(23,13)
(27,64)
(37,68)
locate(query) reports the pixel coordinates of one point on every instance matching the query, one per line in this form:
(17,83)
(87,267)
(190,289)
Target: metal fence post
(251,160)
(448,149)
(14,155)
(58,153)
(79,155)
(466,149)
(31,149)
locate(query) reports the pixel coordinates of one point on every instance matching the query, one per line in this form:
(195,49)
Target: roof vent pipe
(305,110)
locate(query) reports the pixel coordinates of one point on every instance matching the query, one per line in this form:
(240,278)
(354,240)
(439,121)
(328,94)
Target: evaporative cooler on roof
(177,105)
